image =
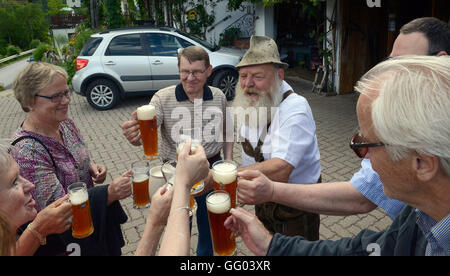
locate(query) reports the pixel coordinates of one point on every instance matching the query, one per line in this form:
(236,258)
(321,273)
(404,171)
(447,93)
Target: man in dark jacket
(404,119)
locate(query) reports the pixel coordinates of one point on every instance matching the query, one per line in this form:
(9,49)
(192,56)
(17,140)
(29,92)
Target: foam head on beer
(218,203)
(168,169)
(139,177)
(224,173)
(78,196)
(156,171)
(146,112)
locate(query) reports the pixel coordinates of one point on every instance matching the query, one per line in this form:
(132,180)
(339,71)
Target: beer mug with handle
(156,179)
(168,170)
(141,196)
(225,178)
(82,225)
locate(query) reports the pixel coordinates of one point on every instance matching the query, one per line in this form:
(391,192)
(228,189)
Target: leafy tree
(35,27)
(7,19)
(113,14)
(179,10)
(144,9)
(17,31)
(55,6)
(204,20)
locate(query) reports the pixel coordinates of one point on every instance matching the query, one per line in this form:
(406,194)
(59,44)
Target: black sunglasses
(361,148)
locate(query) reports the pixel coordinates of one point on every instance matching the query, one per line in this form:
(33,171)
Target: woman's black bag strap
(39,141)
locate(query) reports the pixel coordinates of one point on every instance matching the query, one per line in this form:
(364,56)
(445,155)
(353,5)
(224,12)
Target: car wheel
(226,80)
(102,94)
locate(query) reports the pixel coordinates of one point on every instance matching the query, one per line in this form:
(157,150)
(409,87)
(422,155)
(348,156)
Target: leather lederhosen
(278,218)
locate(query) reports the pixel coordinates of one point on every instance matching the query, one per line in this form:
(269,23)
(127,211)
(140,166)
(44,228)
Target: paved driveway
(9,73)
(335,120)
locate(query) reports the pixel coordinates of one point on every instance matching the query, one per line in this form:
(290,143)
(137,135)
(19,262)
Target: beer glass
(225,178)
(218,205)
(146,115)
(193,135)
(141,197)
(168,170)
(82,225)
(156,180)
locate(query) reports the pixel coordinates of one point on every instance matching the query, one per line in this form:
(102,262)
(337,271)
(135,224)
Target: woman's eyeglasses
(57,98)
(360,147)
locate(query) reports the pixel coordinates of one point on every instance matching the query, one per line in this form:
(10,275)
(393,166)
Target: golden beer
(149,130)
(141,196)
(218,205)
(82,225)
(191,202)
(225,178)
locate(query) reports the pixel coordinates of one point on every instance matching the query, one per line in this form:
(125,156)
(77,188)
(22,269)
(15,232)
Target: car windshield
(197,39)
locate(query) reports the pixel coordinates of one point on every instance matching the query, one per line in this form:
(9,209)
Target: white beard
(264,106)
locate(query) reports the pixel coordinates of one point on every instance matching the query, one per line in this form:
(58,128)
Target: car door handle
(110,63)
(157,62)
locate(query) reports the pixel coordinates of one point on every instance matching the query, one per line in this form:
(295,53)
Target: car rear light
(81,63)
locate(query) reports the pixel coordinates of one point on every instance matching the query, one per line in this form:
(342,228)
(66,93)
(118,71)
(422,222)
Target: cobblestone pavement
(335,120)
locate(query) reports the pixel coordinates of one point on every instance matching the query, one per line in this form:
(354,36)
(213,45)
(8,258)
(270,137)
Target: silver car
(118,63)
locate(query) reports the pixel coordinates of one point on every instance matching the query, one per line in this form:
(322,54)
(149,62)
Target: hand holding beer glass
(194,136)
(225,178)
(82,225)
(169,169)
(141,197)
(146,116)
(218,205)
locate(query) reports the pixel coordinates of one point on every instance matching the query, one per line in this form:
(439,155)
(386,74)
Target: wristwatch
(42,239)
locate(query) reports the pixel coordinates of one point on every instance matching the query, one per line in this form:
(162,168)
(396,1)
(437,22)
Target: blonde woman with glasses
(52,154)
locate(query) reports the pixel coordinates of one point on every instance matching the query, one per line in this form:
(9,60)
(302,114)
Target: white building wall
(264,21)
(66,33)
(220,11)
(74,3)
(330,9)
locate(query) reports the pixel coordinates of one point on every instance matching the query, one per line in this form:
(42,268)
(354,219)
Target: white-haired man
(364,192)
(279,135)
(405,134)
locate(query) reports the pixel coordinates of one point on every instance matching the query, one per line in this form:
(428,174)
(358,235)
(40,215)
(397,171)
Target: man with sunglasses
(364,192)
(404,116)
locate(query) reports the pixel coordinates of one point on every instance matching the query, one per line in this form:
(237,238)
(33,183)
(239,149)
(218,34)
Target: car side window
(126,45)
(163,44)
(90,46)
(184,43)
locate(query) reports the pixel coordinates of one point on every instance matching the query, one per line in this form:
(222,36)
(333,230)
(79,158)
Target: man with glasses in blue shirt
(404,120)
(364,192)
